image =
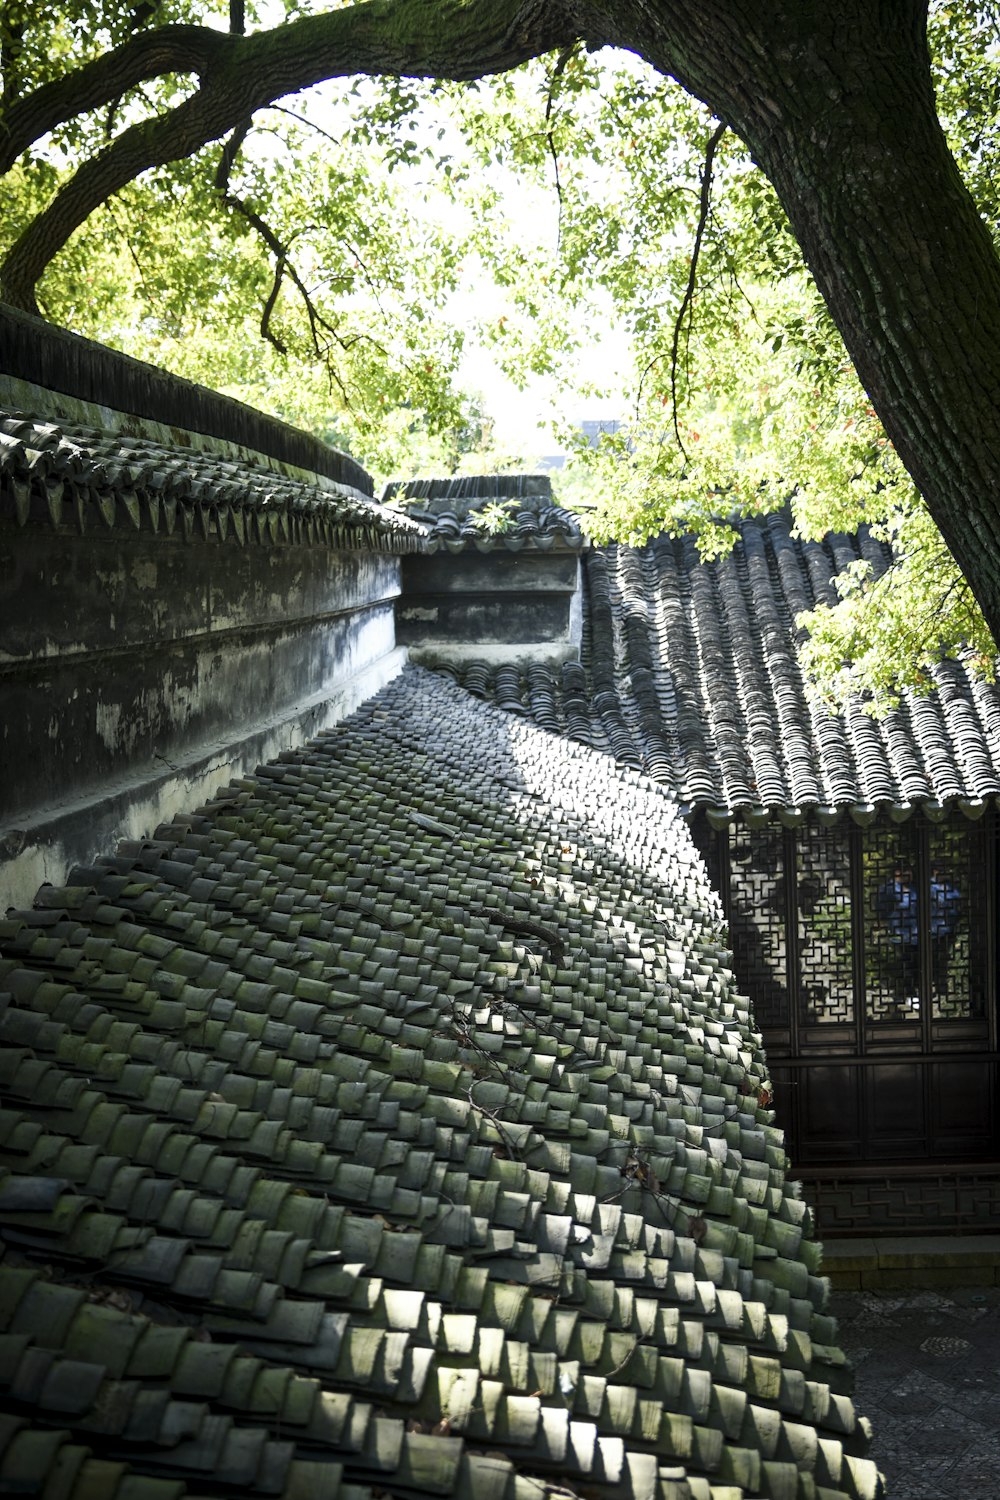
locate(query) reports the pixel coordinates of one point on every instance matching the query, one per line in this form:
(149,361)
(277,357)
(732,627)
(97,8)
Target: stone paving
(928,1379)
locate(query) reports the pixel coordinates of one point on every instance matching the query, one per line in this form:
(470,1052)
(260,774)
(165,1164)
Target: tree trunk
(835,102)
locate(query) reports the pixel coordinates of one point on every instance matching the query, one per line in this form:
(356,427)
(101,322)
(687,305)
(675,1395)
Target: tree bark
(910,274)
(151,54)
(836,104)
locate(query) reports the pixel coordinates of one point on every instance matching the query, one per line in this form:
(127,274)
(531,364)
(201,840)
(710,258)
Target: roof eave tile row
(61,475)
(488,513)
(563,701)
(550,529)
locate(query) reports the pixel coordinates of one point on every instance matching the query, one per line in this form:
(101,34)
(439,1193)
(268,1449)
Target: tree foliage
(281,265)
(178,188)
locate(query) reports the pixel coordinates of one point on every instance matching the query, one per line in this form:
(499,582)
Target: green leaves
(303,237)
(367,233)
(889,630)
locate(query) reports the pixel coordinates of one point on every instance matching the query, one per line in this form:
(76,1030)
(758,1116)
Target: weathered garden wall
(81,381)
(173,610)
(500,607)
(497,588)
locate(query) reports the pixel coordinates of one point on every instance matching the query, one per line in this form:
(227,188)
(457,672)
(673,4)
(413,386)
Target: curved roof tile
(453,512)
(691,670)
(391,1125)
(63,474)
(537,530)
(964,729)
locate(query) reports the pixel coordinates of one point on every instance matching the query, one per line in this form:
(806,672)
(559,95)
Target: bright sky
(523,419)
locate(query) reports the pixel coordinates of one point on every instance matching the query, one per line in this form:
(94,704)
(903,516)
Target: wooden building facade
(870,957)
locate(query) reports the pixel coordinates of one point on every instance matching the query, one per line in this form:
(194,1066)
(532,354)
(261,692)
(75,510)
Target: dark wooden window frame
(906,1088)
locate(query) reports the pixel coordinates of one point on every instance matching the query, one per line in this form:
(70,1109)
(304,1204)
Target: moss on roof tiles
(442,1171)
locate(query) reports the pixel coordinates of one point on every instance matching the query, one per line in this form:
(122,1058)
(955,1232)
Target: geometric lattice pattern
(825,937)
(893,921)
(929,1203)
(960,884)
(905,1069)
(757,922)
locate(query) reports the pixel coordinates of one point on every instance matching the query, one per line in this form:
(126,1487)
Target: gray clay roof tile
(68,475)
(453,510)
(690,673)
(419,1151)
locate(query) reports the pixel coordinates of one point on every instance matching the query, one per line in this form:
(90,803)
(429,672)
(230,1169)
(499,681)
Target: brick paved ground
(928,1378)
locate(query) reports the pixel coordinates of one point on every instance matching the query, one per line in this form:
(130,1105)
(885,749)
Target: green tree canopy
(765,199)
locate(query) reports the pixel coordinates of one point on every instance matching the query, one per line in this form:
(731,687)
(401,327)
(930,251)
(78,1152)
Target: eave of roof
(64,475)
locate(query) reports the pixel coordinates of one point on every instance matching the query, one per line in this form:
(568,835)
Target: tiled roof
(64,474)
(690,672)
(391,1126)
(450,507)
(541,530)
(468,491)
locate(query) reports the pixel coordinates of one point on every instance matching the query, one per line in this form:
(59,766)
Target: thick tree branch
(414,38)
(173,136)
(230,152)
(152,54)
(398,38)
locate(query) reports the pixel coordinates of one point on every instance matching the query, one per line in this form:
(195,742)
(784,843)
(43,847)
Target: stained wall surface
(499,580)
(169,617)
